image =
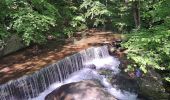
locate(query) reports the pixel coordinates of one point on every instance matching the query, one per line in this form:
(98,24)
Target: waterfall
(30,86)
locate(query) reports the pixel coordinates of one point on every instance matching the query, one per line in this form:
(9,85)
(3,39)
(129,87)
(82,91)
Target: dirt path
(26,61)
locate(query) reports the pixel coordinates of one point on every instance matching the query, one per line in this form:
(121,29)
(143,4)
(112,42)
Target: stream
(110,63)
(85,65)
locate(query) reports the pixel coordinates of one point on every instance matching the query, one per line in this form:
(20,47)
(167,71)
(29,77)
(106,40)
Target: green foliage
(70,19)
(79,22)
(151,47)
(153,12)
(33,20)
(121,17)
(30,24)
(3,33)
(34,31)
(95,11)
(3,29)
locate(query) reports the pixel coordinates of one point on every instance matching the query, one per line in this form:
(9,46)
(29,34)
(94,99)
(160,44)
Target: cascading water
(71,69)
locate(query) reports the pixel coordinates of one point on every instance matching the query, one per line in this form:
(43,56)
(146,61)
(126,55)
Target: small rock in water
(111,48)
(91,66)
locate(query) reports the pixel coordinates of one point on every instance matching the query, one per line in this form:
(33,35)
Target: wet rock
(84,90)
(123,82)
(107,73)
(151,87)
(148,87)
(112,49)
(118,52)
(91,66)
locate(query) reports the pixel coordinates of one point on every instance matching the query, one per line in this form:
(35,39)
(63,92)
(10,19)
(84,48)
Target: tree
(136,13)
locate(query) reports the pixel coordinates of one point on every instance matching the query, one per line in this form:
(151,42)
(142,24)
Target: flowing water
(71,69)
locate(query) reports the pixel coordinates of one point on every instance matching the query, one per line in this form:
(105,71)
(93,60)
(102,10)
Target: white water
(87,73)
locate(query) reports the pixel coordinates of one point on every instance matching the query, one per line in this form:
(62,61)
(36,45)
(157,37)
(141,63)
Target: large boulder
(124,82)
(84,90)
(148,87)
(12,44)
(151,87)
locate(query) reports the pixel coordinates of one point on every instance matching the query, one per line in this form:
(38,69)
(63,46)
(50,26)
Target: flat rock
(83,90)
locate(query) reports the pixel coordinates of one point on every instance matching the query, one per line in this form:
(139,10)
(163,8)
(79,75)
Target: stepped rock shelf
(31,86)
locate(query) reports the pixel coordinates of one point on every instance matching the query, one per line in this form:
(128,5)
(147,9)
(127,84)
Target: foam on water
(107,63)
(87,73)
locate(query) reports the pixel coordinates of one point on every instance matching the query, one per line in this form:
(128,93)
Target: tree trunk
(136,13)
